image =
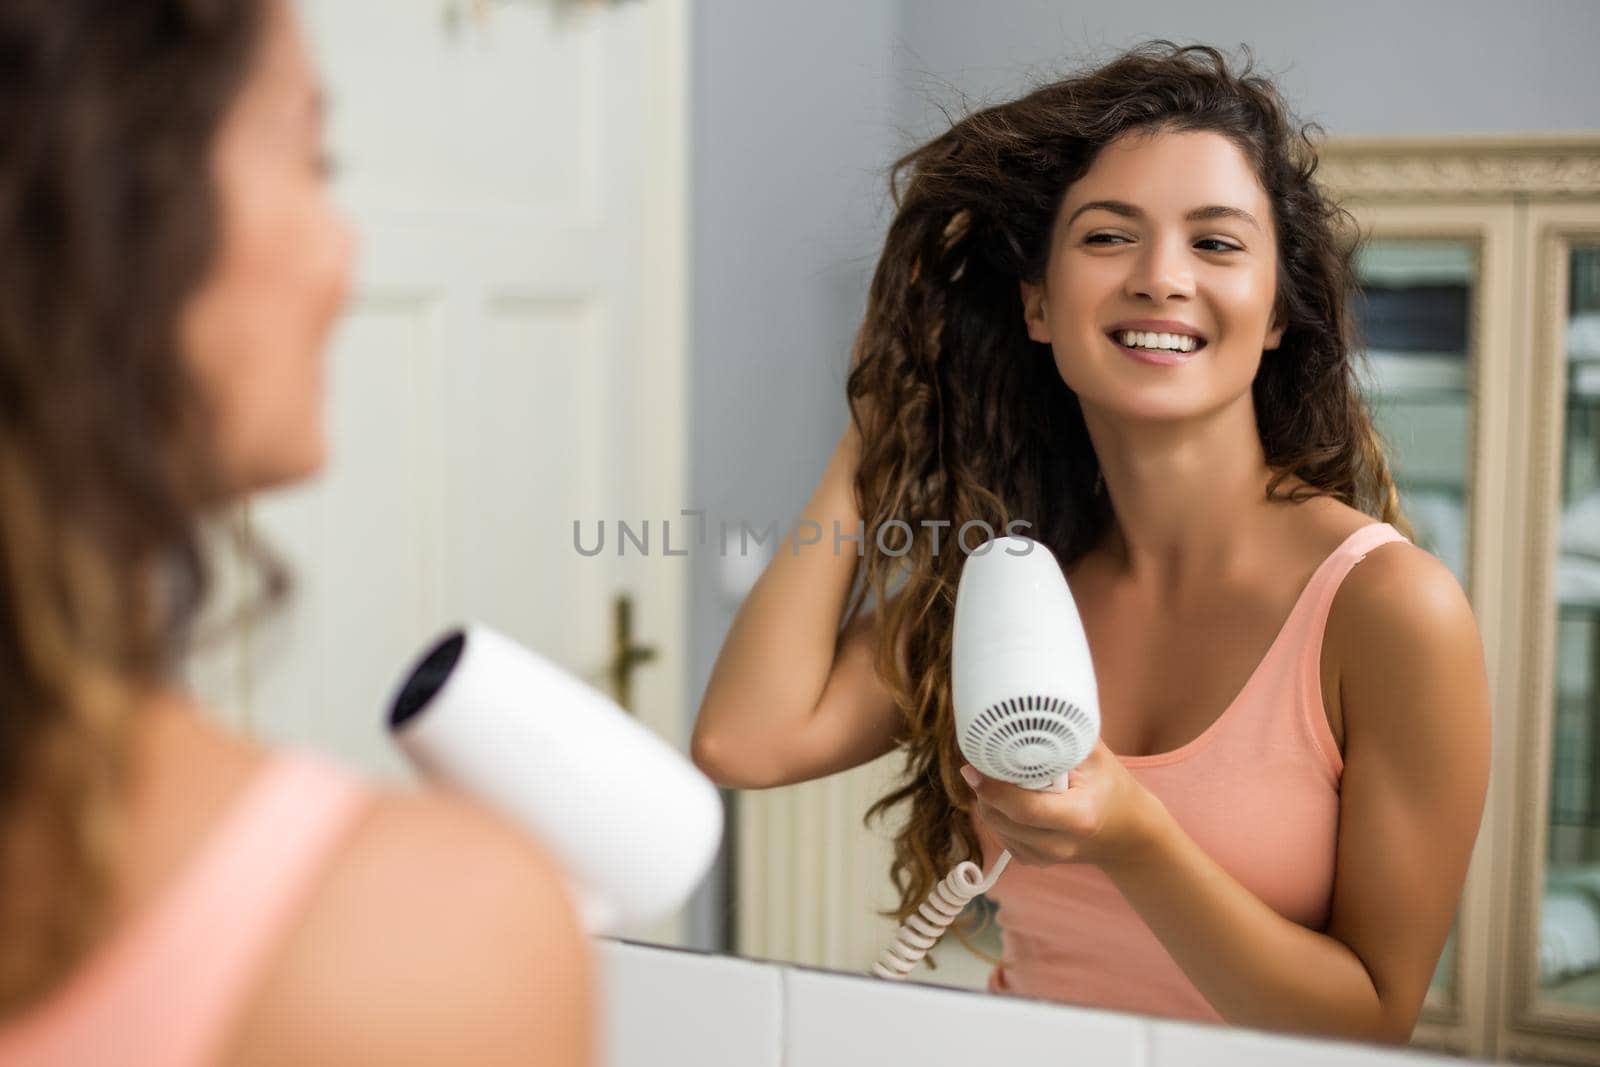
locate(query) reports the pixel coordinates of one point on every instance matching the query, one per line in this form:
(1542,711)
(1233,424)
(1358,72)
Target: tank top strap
(246,896)
(1319,592)
(170,987)
(1318,602)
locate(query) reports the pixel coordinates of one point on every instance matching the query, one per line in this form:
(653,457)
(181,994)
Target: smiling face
(1167,233)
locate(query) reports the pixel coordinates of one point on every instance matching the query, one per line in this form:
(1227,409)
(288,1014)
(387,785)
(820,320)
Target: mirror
(1569,922)
(1417,320)
(614,257)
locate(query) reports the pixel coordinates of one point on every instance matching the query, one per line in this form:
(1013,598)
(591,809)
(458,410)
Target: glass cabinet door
(1568,930)
(1417,322)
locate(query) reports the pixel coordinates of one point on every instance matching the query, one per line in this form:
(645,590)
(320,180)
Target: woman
(1118,309)
(172,894)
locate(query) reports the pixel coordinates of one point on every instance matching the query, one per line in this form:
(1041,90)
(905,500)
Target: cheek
(255,333)
(1245,298)
(330,258)
(1078,293)
(298,266)
(1076,304)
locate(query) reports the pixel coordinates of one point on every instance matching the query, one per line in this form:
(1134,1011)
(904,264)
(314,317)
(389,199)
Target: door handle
(625,655)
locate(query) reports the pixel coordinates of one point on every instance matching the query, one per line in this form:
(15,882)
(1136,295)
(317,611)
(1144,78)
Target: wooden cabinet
(1482,272)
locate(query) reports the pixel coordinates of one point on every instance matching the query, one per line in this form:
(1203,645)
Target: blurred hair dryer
(1027,709)
(634,824)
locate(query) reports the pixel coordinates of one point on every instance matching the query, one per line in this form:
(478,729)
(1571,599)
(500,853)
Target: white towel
(1580,527)
(1569,935)
(1583,336)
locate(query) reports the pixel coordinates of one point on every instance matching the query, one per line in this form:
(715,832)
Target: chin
(1163,405)
(1176,399)
(285,469)
(1153,410)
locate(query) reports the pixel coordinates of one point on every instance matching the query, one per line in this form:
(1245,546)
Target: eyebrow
(1199,214)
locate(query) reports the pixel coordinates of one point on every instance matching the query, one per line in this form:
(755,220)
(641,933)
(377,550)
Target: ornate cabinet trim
(1556,165)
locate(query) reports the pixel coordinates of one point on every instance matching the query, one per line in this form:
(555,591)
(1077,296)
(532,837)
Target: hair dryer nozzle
(427,678)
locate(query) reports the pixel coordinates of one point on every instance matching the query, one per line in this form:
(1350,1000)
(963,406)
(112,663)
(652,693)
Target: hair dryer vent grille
(1030,739)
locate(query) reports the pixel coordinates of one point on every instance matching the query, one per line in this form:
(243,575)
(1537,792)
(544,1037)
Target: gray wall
(1359,67)
(791,111)
(798,107)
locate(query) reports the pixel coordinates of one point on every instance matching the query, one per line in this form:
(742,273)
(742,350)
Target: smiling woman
(1119,308)
(1102,247)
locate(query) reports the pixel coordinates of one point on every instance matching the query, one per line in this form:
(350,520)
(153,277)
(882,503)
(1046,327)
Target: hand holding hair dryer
(633,823)
(1027,709)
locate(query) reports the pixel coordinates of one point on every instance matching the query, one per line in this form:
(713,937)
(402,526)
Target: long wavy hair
(109,221)
(963,418)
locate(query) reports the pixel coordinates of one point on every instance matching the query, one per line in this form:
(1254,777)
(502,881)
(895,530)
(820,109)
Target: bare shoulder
(1415,699)
(1395,585)
(1399,591)
(1405,637)
(440,934)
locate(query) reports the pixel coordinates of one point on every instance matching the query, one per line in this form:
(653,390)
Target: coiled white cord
(922,931)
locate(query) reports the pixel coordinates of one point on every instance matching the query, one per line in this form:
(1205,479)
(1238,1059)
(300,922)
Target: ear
(1034,312)
(1274,335)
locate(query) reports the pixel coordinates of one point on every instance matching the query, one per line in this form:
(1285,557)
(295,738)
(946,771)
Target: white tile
(678,1008)
(1174,1044)
(836,1020)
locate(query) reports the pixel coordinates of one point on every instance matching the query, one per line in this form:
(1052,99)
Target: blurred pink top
(1258,791)
(169,987)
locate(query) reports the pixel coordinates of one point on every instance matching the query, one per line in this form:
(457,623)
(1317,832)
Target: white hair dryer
(1027,710)
(634,824)
(1026,706)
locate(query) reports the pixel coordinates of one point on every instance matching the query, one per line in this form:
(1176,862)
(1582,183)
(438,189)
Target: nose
(1160,272)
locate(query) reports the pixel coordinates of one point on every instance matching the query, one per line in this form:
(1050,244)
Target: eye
(1096,238)
(1222,246)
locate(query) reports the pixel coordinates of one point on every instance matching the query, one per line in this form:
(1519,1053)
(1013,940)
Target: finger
(1029,807)
(1027,855)
(1007,829)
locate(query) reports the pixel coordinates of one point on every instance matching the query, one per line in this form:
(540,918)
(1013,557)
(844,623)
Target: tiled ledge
(665,1007)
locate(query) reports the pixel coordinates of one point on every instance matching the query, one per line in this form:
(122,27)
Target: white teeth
(1170,342)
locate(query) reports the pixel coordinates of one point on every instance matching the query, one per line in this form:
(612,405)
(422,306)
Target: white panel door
(512,360)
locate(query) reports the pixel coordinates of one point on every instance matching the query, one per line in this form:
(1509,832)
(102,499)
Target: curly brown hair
(964,418)
(109,220)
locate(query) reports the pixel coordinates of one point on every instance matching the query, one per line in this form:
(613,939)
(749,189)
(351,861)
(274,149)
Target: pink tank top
(1258,790)
(168,988)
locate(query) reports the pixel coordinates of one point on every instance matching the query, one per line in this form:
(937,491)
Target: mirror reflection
(705,349)
(1128,342)
(1416,318)
(1569,919)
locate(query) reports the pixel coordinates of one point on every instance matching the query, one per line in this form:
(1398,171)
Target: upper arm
(442,934)
(1416,711)
(856,719)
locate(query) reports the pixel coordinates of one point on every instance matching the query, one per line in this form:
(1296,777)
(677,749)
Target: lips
(1156,357)
(1116,337)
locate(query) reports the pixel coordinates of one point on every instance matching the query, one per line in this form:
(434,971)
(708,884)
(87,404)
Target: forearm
(776,658)
(1255,967)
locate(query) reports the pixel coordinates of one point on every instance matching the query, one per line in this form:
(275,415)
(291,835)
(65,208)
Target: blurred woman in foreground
(169,893)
